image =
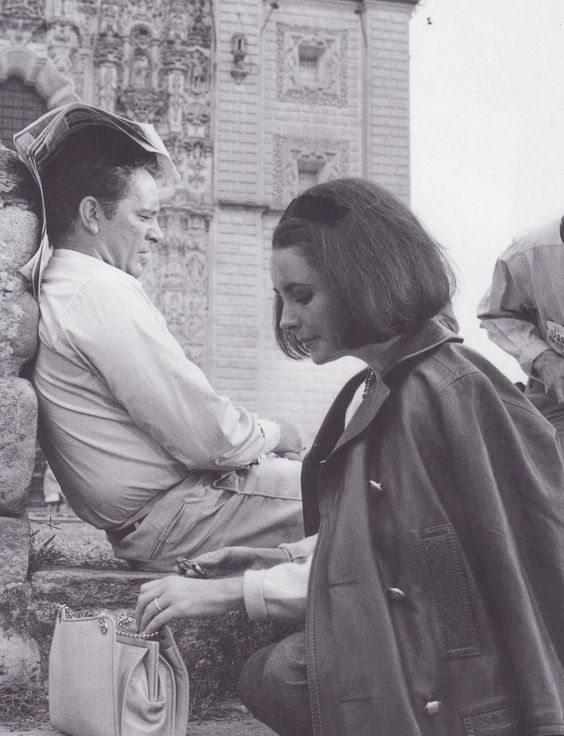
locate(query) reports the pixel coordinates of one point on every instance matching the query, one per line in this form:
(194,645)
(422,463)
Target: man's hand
(549,367)
(229,561)
(290,443)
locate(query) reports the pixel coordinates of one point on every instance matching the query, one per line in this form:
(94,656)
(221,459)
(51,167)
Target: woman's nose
(288,318)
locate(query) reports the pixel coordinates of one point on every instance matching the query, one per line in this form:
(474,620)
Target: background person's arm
(507,313)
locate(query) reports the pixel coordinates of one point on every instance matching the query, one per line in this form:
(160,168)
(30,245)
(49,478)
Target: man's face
(127,237)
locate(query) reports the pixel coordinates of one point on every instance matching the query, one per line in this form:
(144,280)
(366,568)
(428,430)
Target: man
(140,442)
(523,313)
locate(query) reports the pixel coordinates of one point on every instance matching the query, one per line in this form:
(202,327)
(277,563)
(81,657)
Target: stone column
(19,313)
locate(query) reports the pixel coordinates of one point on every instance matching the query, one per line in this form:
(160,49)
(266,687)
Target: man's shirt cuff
(271,434)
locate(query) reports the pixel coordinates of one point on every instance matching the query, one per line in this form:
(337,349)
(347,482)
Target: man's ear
(89,214)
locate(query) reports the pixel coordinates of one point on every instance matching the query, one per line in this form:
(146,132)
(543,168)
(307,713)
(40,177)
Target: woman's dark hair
(385,272)
(96,161)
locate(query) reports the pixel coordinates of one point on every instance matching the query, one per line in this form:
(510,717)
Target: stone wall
(19,237)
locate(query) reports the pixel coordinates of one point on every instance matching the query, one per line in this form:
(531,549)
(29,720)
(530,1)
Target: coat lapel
(363,416)
(430,337)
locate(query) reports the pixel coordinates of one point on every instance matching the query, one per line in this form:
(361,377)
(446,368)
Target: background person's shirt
(124,415)
(523,310)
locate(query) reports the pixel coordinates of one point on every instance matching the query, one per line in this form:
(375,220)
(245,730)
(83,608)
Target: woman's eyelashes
(302,297)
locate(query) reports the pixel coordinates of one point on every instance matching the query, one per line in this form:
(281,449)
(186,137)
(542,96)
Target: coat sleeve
(504,490)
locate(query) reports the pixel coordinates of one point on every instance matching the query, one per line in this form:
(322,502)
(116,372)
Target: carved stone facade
(150,61)
(255,101)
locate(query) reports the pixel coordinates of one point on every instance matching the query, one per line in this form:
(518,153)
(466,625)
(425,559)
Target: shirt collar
(70,257)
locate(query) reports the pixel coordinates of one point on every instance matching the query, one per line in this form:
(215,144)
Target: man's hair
(385,273)
(95,161)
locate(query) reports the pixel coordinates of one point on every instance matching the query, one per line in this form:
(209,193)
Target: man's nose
(155,233)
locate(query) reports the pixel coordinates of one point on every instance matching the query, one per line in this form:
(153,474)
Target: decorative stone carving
(148,105)
(201,23)
(62,43)
(177,278)
(22,21)
(109,47)
(319,158)
(312,64)
(149,61)
(193,159)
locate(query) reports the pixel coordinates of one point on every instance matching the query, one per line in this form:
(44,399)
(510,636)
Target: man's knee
(273,686)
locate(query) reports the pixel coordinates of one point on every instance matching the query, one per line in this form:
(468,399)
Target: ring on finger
(156,602)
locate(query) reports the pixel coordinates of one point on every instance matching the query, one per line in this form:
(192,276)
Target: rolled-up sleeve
(506,312)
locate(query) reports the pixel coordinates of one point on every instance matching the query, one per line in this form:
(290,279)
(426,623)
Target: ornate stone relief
(22,21)
(300,162)
(311,64)
(62,44)
(177,277)
(149,61)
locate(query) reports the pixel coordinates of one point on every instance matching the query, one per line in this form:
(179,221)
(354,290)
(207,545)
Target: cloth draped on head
(38,143)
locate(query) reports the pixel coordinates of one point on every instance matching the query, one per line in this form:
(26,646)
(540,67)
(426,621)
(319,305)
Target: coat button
(375,486)
(432,707)
(396,594)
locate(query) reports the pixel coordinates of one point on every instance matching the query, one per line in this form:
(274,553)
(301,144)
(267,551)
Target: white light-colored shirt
(523,310)
(124,415)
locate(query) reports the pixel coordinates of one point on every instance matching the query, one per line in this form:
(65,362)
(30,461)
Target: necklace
(368,382)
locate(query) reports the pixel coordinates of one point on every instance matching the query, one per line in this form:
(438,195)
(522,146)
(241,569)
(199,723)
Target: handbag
(107,680)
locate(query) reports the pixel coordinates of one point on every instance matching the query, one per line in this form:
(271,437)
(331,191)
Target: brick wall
(355,120)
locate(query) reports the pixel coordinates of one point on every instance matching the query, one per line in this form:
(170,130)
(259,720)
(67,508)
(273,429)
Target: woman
(436,489)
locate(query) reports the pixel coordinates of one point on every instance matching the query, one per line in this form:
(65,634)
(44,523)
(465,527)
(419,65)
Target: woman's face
(308,309)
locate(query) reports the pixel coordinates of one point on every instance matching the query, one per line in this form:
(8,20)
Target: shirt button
(433,707)
(396,594)
(375,486)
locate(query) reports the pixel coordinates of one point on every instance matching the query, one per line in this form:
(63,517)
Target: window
(309,55)
(309,168)
(20,104)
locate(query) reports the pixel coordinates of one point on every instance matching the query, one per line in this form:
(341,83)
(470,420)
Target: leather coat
(436,599)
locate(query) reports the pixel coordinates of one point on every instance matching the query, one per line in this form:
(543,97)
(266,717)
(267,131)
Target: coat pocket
(453,604)
(501,721)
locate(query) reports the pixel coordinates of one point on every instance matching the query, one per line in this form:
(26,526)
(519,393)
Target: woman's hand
(229,561)
(161,601)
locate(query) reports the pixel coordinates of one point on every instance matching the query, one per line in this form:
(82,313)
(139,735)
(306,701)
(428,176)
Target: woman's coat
(436,599)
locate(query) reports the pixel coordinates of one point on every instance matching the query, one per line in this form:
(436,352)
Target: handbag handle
(125,625)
